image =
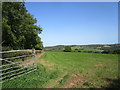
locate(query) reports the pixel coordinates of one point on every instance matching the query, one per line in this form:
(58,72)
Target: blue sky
(76,23)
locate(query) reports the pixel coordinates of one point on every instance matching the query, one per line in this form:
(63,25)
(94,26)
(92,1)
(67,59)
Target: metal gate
(16,63)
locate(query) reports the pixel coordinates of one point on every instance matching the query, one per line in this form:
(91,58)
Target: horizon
(76,23)
(83,44)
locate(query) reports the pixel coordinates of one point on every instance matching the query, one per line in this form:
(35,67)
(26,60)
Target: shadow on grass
(113,83)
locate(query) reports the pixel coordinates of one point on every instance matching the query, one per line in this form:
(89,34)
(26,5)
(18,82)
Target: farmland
(95,48)
(70,70)
(78,47)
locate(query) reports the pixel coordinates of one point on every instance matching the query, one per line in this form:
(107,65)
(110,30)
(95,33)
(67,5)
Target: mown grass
(96,67)
(95,70)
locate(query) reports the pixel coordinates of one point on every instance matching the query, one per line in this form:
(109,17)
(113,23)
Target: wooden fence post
(35,61)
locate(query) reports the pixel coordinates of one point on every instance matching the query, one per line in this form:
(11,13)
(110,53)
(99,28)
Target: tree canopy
(67,49)
(18,27)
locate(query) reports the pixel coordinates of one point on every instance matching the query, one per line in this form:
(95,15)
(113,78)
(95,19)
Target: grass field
(70,70)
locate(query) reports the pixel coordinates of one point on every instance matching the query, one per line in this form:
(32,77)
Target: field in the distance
(70,70)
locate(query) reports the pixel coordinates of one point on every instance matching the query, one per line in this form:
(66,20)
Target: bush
(115,51)
(7,48)
(76,49)
(67,49)
(79,51)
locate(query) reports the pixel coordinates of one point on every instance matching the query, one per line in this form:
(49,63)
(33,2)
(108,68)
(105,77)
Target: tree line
(19,29)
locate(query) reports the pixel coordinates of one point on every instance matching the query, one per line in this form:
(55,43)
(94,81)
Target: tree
(18,27)
(67,49)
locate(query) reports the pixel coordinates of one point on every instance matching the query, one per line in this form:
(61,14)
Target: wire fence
(16,63)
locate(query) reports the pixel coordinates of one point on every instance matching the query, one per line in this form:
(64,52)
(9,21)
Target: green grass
(35,79)
(86,49)
(76,47)
(93,70)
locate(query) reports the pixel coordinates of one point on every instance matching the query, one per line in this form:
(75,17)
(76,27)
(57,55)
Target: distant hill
(91,47)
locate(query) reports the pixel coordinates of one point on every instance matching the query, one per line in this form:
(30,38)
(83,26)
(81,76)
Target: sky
(76,23)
